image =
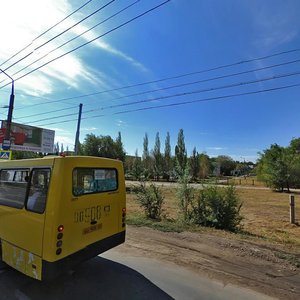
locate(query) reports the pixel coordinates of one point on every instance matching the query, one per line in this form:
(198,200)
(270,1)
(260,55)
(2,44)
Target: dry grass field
(265,214)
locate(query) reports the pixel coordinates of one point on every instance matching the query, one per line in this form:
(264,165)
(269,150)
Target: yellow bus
(56,212)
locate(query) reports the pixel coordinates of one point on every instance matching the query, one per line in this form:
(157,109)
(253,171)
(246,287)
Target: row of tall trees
(158,163)
(154,163)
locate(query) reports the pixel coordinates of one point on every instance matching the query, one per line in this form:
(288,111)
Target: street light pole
(7,141)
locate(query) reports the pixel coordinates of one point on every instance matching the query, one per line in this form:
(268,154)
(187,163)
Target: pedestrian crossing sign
(5,154)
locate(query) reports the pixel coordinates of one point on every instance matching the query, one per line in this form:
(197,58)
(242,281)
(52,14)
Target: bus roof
(49,160)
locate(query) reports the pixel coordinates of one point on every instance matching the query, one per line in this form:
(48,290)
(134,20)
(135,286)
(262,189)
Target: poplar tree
(137,166)
(146,159)
(205,167)
(180,155)
(157,157)
(194,164)
(119,148)
(167,161)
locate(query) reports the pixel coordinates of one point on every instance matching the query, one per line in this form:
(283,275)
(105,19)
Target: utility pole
(6,143)
(78,129)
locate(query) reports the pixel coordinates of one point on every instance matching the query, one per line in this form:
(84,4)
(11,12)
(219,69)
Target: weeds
(150,199)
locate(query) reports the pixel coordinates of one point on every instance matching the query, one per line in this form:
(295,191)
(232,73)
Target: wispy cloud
(275,27)
(121,123)
(88,129)
(216,148)
(30,19)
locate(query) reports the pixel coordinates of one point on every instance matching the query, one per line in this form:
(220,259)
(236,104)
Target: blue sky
(180,37)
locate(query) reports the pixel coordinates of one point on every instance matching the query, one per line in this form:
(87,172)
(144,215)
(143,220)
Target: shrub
(212,206)
(185,194)
(151,200)
(217,207)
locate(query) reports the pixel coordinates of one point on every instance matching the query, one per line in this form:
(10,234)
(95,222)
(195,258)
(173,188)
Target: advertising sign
(28,138)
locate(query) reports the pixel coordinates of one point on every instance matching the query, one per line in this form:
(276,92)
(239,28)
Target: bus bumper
(51,270)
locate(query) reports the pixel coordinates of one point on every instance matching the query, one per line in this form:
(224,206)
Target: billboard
(28,138)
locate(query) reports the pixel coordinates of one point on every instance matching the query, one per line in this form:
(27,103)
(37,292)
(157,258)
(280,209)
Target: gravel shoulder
(257,266)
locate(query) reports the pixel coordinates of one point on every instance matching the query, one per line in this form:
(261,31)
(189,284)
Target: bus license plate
(92,228)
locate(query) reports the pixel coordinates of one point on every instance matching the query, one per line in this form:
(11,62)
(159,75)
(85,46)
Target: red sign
(18,138)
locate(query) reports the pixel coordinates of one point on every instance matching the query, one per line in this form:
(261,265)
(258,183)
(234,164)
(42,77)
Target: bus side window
(38,189)
(13,187)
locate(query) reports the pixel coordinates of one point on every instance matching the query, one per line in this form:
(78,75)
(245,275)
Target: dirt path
(259,267)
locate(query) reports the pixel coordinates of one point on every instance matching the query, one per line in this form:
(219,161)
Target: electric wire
(58,35)
(182,103)
(163,89)
(74,38)
(43,33)
(179,76)
(176,95)
(94,39)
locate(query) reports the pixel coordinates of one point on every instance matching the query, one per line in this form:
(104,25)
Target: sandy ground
(260,267)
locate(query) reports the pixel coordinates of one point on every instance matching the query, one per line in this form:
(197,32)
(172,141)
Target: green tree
(157,157)
(128,165)
(194,164)
(120,152)
(146,162)
(227,164)
(16,154)
(137,166)
(103,146)
(167,161)
(180,155)
(205,166)
(279,167)
(295,145)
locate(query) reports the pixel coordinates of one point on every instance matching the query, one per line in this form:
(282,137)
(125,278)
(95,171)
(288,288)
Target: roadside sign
(27,138)
(5,154)
(6,145)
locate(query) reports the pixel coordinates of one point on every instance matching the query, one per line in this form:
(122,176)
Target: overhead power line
(162,89)
(182,103)
(74,38)
(43,33)
(58,35)
(94,39)
(209,99)
(175,95)
(184,75)
(192,73)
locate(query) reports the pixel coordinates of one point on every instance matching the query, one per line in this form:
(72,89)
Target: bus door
(97,205)
(23,196)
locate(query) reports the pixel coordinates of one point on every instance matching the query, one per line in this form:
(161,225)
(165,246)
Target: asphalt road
(181,283)
(116,275)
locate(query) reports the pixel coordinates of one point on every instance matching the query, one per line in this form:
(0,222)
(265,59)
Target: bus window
(38,189)
(13,187)
(92,180)
(21,176)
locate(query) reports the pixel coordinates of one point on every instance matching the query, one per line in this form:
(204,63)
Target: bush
(212,206)
(151,200)
(185,194)
(217,207)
